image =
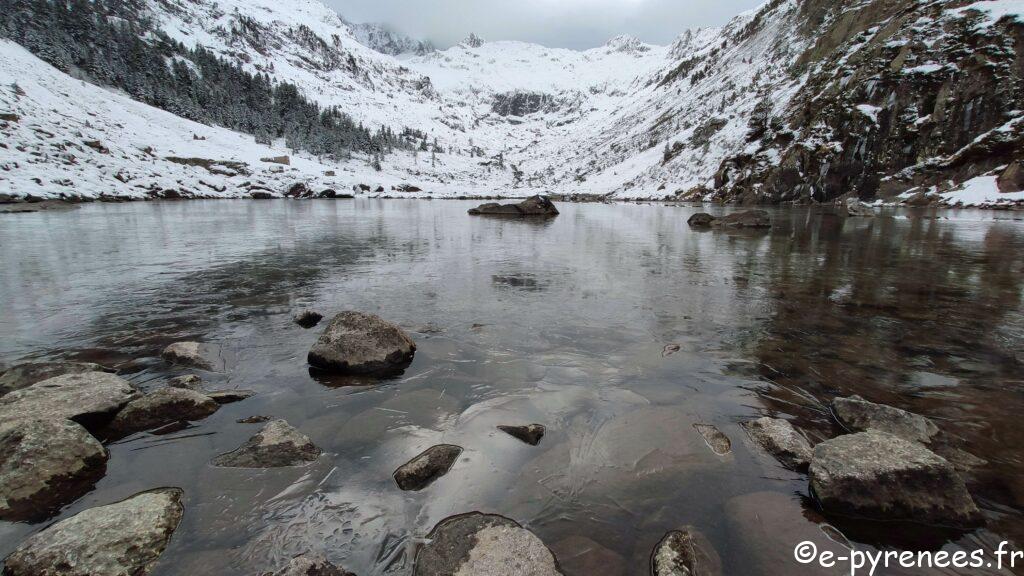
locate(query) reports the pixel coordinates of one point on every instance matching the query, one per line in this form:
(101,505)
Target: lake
(616,326)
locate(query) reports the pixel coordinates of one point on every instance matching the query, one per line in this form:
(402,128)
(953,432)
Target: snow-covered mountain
(387,41)
(795,100)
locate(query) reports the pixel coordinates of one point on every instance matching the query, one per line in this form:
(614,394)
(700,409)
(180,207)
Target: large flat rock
(87,398)
(358,343)
(25,375)
(859,415)
(122,539)
(164,406)
(781,440)
(534,207)
(478,544)
(44,465)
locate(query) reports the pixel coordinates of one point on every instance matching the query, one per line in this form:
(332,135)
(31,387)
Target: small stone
(162,407)
(45,464)
(254,420)
(90,399)
(308,318)
(685,552)
(530,434)
(358,343)
(311,565)
(718,442)
(858,415)
(424,469)
(122,539)
(187,354)
(277,445)
(230,396)
(187,382)
(25,375)
(781,440)
(878,475)
(478,544)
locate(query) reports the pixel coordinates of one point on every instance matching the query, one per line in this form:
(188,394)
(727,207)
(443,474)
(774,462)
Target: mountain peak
(628,44)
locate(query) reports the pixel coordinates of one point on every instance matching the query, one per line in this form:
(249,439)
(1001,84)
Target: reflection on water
(617,327)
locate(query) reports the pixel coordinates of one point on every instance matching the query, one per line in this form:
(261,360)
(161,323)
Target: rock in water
(311,565)
(25,375)
(478,544)
(530,434)
(856,208)
(162,407)
(230,396)
(277,445)
(308,318)
(718,442)
(781,440)
(122,539)
(424,469)
(537,206)
(45,464)
(89,399)
(685,553)
(859,415)
(701,220)
(747,219)
(357,343)
(187,354)
(878,475)
(188,382)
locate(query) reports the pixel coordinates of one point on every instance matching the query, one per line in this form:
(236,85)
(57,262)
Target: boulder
(187,354)
(311,565)
(781,440)
(45,464)
(718,442)
(25,375)
(357,343)
(746,219)
(283,160)
(685,552)
(537,206)
(1012,179)
(424,469)
(277,445)
(261,195)
(230,396)
(855,208)
(701,220)
(858,415)
(878,475)
(89,399)
(187,382)
(530,434)
(122,539)
(298,190)
(483,544)
(308,318)
(162,407)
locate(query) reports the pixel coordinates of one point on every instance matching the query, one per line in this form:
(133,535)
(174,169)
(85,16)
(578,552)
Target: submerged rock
(858,415)
(746,219)
(187,354)
(878,475)
(424,469)
(781,440)
(308,318)
(162,407)
(122,539)
(187,382)
(685,553)
(45,464)
(25,375)
(311,565)
(89,399)
(230,396)
(856,208)
(530,434)
(254,420)
(358,343)
(277,445)
(718,442)
(482,545)
(535,206)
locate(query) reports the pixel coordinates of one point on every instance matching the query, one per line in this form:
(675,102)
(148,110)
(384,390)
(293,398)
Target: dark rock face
(530,434)
(877,475)
(521,103)
(187,354)
(1012,179)
(277,445)
(357,343)
(858,415)
(537,206)
(685,553)
(308,318)
(89,399)
(483,544)
(311,565)
(25,375)
(781,440)
(424,469)
(718,442)
(159,408)
(261,195)
(298,190)
(45,464)
(126,538)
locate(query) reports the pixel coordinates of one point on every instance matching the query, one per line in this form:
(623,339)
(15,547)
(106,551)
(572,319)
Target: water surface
(562,322)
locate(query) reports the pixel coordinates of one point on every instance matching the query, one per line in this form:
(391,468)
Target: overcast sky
(555,23)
